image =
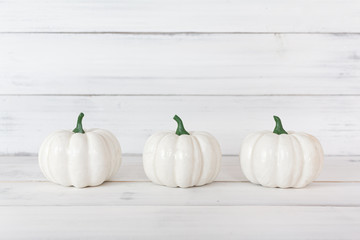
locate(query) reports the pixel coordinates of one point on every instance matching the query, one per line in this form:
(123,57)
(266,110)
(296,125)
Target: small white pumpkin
(80,158)
(281,159)
(182,159)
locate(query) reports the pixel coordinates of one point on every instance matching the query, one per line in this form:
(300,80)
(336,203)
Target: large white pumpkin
(182,159)
(281,159)
(80,158)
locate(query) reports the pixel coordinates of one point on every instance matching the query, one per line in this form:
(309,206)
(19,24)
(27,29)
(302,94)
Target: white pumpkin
(182,159)
(80,158)
(281,159)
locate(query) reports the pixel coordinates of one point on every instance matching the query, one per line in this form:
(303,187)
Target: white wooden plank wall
(225,66)
(185,16)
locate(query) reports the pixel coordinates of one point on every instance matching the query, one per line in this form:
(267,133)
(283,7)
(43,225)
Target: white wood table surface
(131,207)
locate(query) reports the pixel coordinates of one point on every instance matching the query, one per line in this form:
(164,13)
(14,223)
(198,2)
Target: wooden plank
(201,222)
(149,194)
(184,16)
(249,64)
(27,120)
(336,168)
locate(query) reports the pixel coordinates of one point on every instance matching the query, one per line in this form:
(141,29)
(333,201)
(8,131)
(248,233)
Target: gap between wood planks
(149,194)
(186,33)
(179,95)
(337,169)
(144,181)
(187,206)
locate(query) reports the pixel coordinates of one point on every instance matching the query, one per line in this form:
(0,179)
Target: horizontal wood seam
(139,155)
(175,33)
(177,205)
(145,181)
(179,95)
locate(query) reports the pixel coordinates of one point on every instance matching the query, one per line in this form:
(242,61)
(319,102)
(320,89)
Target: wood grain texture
(232,210)
(27,120)
(335,169)
(209,75)
(184,16)
(250,64)
(201,222)
(150,194)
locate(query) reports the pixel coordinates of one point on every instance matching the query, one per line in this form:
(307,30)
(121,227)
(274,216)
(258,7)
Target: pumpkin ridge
(218,161)
(319,149)
(50,172)
(211,141)
(87,157)
(154,153)
(89,165)
(155,161)
(110,145)
(302,160)
(47,153)
(277,162)
(251,158)
(201,160)
(312,141)
(67,160)
(109,154)
(43,155)
(174,163)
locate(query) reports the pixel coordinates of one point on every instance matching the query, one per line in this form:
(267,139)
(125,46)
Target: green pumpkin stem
(180,128)
(79,127)
(278,128)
